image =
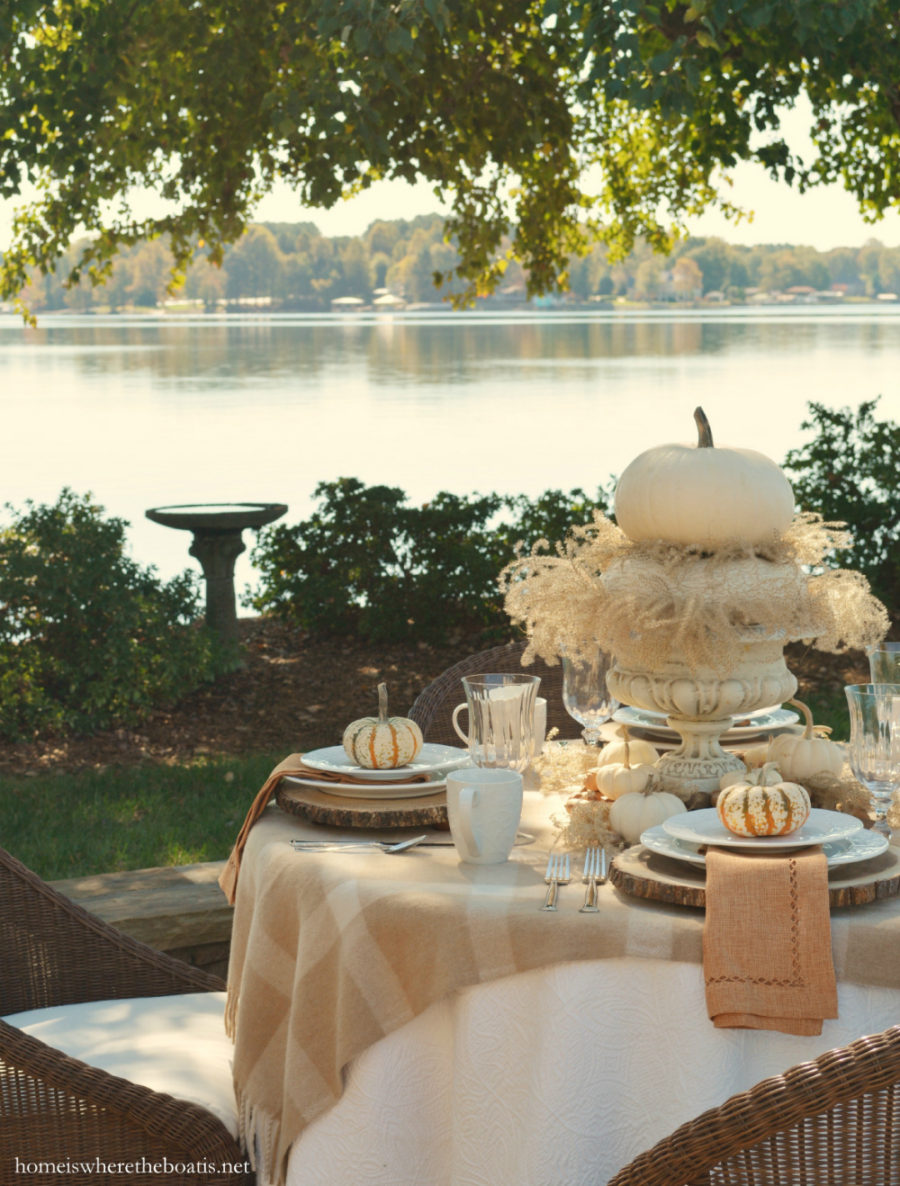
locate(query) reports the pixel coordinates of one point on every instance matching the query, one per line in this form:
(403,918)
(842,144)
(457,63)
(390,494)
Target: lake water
(144,412)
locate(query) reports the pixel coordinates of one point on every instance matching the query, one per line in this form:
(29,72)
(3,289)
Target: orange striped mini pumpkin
(382,742)
(748,809)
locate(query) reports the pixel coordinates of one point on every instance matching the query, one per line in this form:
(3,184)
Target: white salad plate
(431,759)
(863,845)
(705,827)
(764,721)
(371,790)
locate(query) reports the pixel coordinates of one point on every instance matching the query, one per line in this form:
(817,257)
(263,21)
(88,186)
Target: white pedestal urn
(703,502)
(701,704)
(695,591)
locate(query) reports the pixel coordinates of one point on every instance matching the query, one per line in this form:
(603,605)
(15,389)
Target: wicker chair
(834,1121)
(56,1110)
(435,704)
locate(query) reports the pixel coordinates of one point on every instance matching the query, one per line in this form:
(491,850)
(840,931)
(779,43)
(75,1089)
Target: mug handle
(467,800)
(459,731)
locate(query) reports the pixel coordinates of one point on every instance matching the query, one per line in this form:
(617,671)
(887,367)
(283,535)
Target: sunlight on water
(151,411)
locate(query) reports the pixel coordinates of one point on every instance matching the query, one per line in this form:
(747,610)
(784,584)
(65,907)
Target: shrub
(89,639)
(848,472)
(366,563)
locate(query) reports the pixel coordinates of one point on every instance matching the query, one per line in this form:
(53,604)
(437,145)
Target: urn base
(692,771)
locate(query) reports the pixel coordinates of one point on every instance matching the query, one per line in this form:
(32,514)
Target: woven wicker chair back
(435,704)
(54,1109)
(834,1121)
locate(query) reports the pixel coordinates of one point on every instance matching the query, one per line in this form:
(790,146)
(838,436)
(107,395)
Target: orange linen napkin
(767,941)
(293,764)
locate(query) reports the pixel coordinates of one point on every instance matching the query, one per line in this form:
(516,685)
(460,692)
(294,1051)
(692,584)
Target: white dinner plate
(752,723)
(861,846)
(431,759)
(372,790)
(705,827)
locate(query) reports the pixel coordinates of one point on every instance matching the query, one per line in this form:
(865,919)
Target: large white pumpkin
(703,495)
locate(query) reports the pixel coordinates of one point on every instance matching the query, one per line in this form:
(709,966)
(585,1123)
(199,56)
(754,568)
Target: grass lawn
(129,817)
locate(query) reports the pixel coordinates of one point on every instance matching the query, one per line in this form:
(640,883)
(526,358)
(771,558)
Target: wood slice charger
(323,808)
(644,874)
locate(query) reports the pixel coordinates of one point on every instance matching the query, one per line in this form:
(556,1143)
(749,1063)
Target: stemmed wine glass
(884,663)
(585,695)
(874,749)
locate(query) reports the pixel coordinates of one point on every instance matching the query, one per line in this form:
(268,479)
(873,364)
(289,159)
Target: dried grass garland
(654,601)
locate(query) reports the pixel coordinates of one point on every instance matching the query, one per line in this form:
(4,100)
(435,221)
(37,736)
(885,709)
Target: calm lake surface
(150,411)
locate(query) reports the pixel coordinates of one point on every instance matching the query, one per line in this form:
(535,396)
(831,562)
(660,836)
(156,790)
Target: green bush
(368,564)
(89,639)
(849,473)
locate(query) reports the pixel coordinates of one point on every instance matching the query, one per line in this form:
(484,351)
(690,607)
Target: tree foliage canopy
(560,119)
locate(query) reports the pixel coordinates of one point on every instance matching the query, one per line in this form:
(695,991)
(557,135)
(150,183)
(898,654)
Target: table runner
(331,952)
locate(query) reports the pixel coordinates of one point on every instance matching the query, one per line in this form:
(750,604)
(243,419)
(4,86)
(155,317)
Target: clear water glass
(585,695)
(874,748)
(884,663)
(501,718)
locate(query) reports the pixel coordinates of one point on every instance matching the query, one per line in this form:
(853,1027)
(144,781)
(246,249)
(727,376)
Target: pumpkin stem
(704,432)
(627,739)
(382,702)
(808,731)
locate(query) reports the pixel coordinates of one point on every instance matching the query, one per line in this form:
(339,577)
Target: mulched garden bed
(295,693)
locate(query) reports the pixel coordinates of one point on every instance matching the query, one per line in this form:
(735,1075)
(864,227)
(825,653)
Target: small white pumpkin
(615,779)
(771,810)
(803,755)
(703,495)
(382,742)
(755,755)
(634,813)
(636,750)
(766,775)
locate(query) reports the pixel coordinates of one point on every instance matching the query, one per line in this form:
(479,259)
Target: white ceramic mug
(484,806)
(501,718)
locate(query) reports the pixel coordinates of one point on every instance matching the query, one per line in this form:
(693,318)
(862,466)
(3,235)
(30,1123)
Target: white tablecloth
(556,1077)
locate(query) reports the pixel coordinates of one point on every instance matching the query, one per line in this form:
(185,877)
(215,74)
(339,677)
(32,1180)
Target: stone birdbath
(217,544)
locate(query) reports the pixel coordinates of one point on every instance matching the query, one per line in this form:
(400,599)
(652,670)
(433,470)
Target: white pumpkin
(755,755)
(618,778)
(766,775)
(383,742)
(803,755)
(636,750)
(615,779)
(703,495)
(634,813)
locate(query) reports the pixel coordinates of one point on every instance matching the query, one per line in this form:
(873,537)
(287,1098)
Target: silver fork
(589,876)
(557,874)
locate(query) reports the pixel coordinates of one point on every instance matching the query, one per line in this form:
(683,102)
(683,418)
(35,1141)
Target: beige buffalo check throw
(330,952)
(293,764)
(767,956)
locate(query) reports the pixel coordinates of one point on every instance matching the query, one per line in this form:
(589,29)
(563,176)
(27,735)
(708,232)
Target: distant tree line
(293,266)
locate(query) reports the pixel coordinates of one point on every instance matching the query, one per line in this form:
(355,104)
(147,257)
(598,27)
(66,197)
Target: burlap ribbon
(767,959)
(291,765)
